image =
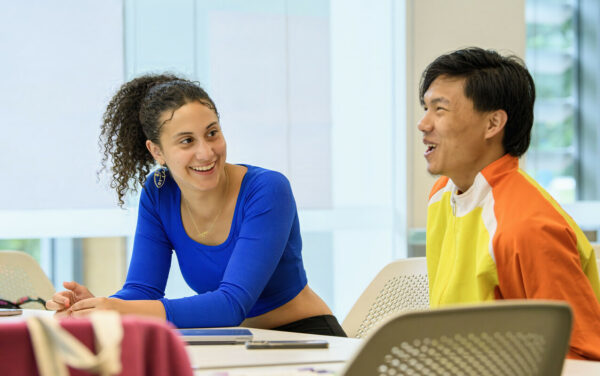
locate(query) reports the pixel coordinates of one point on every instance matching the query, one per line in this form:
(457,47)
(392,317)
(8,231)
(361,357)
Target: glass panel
(29,246)
(552,58)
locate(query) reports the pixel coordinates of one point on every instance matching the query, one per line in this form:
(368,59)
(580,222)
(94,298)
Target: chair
(21,275)
(503,338)
(400,286)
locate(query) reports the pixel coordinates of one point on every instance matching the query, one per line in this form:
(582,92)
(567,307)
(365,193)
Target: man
(492,231)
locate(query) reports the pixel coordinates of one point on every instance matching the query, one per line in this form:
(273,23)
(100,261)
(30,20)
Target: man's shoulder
(524,209)
(522,195)
(439,186)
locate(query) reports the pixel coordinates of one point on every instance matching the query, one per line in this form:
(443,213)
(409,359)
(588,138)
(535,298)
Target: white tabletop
(571,368)
(25,314)
(320,369)
(236,360)
(205,357)
(581,368)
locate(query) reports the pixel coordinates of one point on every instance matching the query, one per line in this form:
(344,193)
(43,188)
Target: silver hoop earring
(160,176)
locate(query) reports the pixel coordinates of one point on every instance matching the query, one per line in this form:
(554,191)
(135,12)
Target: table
(214,358)
(581,368)
(236,360)
(572,368)
(27,313)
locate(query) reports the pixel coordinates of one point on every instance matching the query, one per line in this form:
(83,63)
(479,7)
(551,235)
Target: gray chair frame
(515,338)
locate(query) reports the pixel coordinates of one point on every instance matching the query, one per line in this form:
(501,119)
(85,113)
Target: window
(30,246)
(552,57)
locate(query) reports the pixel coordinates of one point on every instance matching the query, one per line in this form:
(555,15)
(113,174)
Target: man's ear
(496,122)
(154,149)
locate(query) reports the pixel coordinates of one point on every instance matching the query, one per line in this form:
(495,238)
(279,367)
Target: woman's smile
(204,170)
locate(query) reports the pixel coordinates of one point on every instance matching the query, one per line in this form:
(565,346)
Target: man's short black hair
(492,82)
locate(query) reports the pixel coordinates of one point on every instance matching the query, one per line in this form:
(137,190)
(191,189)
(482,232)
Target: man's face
(453,131)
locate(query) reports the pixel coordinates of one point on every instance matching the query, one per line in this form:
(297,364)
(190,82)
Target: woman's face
(192,146)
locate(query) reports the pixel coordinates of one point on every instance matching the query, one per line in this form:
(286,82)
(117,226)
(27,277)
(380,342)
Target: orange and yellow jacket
(506,238)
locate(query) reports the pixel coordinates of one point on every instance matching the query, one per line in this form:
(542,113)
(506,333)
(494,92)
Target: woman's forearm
(84,307)
(153,308)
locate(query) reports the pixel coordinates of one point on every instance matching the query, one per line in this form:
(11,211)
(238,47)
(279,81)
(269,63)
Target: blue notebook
(215,336)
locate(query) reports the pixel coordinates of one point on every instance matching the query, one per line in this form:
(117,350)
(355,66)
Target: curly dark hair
(132,117)
(492,82)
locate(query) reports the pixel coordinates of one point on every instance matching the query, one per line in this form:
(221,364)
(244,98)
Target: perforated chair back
(21,275)
(400,286)
(512,338)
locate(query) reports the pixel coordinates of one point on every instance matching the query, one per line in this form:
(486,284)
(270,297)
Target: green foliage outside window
(551,57)
(560,37)
(29,246)
(554,135)
(555,85)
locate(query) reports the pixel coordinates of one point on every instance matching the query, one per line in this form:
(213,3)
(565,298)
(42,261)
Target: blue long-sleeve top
(257,269)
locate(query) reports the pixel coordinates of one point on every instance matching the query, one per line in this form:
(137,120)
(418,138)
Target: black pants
(326,325)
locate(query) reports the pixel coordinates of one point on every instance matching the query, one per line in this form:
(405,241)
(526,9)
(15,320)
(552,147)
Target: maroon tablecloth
(149,347)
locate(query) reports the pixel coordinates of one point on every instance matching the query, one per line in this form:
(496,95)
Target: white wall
(61,61)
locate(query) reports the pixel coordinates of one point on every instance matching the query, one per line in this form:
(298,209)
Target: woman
(234,227)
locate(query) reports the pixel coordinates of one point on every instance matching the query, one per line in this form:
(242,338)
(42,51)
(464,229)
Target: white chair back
(400,286)
(21,275)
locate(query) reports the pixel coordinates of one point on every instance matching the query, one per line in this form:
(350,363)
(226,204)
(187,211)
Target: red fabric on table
(150,347)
